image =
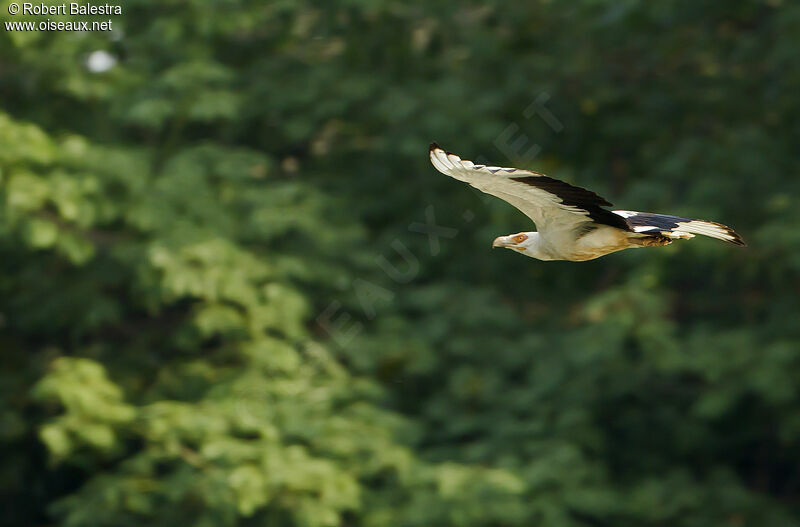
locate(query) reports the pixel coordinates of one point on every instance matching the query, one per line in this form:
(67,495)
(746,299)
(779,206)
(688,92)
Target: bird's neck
(536,248)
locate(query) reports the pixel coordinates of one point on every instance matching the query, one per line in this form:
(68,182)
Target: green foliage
(217,308)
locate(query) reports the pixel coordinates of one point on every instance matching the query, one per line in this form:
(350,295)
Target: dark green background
(216,308)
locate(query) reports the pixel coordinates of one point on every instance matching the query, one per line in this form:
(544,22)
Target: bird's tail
(677,227)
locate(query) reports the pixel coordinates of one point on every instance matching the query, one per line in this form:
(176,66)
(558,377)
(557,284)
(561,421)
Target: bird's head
(519,242)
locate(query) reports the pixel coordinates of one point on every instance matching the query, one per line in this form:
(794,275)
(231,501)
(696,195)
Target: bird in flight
(571,221)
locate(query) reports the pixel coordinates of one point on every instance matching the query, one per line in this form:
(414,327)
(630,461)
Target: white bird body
(599,242)
(571,221)
(560,245)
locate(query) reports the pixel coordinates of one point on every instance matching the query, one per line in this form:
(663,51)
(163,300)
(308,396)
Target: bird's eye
(520,238)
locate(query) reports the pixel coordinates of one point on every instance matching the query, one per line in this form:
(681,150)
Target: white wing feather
(545,209)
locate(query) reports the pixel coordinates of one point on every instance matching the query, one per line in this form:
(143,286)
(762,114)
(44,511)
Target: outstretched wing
(550,203)
(677,227)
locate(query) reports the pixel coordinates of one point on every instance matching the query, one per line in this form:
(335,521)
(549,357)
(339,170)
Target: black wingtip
(435,146)
(738,241)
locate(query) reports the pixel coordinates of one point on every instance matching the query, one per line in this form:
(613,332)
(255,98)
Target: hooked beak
(499,242)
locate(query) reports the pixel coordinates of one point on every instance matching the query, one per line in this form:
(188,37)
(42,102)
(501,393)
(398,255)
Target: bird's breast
(595,243)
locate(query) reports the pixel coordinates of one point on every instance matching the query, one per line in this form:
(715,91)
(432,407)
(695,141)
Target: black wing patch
(662,222)
(581,198)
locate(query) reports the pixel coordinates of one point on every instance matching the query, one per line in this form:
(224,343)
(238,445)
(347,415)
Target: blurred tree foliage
(217,307)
